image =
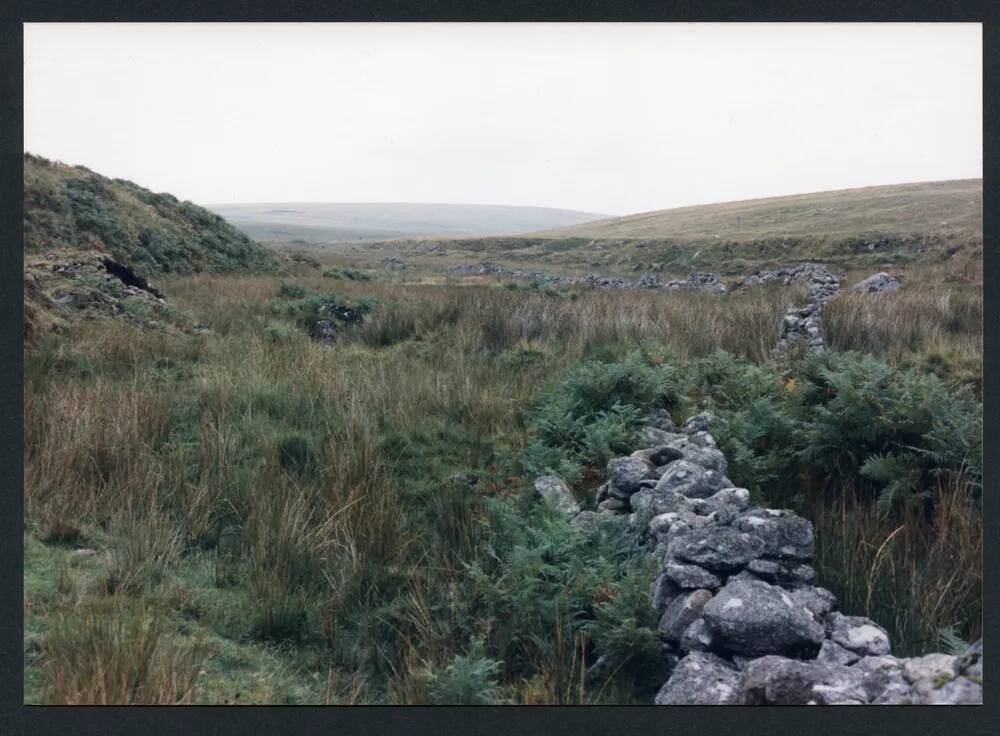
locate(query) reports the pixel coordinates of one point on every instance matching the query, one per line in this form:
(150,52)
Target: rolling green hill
(72,207)
(931,208)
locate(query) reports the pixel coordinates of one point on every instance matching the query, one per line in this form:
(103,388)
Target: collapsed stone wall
(696,282)
(802,324)
(741,620)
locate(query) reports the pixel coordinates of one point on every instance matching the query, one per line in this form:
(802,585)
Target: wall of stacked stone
(741,618)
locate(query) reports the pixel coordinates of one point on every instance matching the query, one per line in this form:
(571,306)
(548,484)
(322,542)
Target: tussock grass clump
(917,573)
(116,652)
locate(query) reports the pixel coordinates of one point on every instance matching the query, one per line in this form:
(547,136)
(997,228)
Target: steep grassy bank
(274,520)
(73,207)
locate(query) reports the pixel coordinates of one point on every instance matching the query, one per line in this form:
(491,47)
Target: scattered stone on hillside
(878,283)
(702,678)
(393,262)
(557,495)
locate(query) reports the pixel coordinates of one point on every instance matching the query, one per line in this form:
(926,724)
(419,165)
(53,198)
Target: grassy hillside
(72,207)
(875,228)
(931,208)
(329,222)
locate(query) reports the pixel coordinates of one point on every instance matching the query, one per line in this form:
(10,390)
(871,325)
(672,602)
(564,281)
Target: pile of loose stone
(878,283)
(740,618)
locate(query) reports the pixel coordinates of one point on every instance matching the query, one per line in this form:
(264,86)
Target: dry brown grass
(915,574)
(113,653)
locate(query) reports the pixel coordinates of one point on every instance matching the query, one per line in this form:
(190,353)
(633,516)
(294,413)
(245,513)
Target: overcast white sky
(609,118)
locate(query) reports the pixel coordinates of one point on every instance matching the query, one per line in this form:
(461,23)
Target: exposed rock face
(877,284)
(65,285)
(739,616)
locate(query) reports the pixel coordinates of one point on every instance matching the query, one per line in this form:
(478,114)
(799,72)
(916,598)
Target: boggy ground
(248,515)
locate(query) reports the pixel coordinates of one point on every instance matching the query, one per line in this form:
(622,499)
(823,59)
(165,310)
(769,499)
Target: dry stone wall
(741,617)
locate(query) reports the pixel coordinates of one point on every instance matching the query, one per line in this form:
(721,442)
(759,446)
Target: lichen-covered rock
(698,423)
(970,662)
(832,653)
(697,637)
(657,456)
(774,680)
(958,691)
(681,613)
(661,592)
(782,571)
(624,474)
(701,678)
(818,601)
(859,634)
(756,618)
(661,419)
(690,576)
(653,437)
(717,549)
(613,505)
(883,681)
(688,479)
(785,534)
(556,495)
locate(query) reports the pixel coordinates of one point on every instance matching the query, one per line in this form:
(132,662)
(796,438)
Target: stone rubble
(741,620)
(696,282)
(878,283)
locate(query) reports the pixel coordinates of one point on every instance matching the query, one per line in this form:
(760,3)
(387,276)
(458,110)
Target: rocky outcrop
(740,618)
(878,284)
(66,285)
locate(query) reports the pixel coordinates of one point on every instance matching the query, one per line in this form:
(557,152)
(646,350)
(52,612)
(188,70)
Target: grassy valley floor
(248,515)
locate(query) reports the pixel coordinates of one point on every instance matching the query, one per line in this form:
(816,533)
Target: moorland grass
(292,506)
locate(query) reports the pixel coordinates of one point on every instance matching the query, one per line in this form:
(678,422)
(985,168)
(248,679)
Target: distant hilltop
(328,222)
